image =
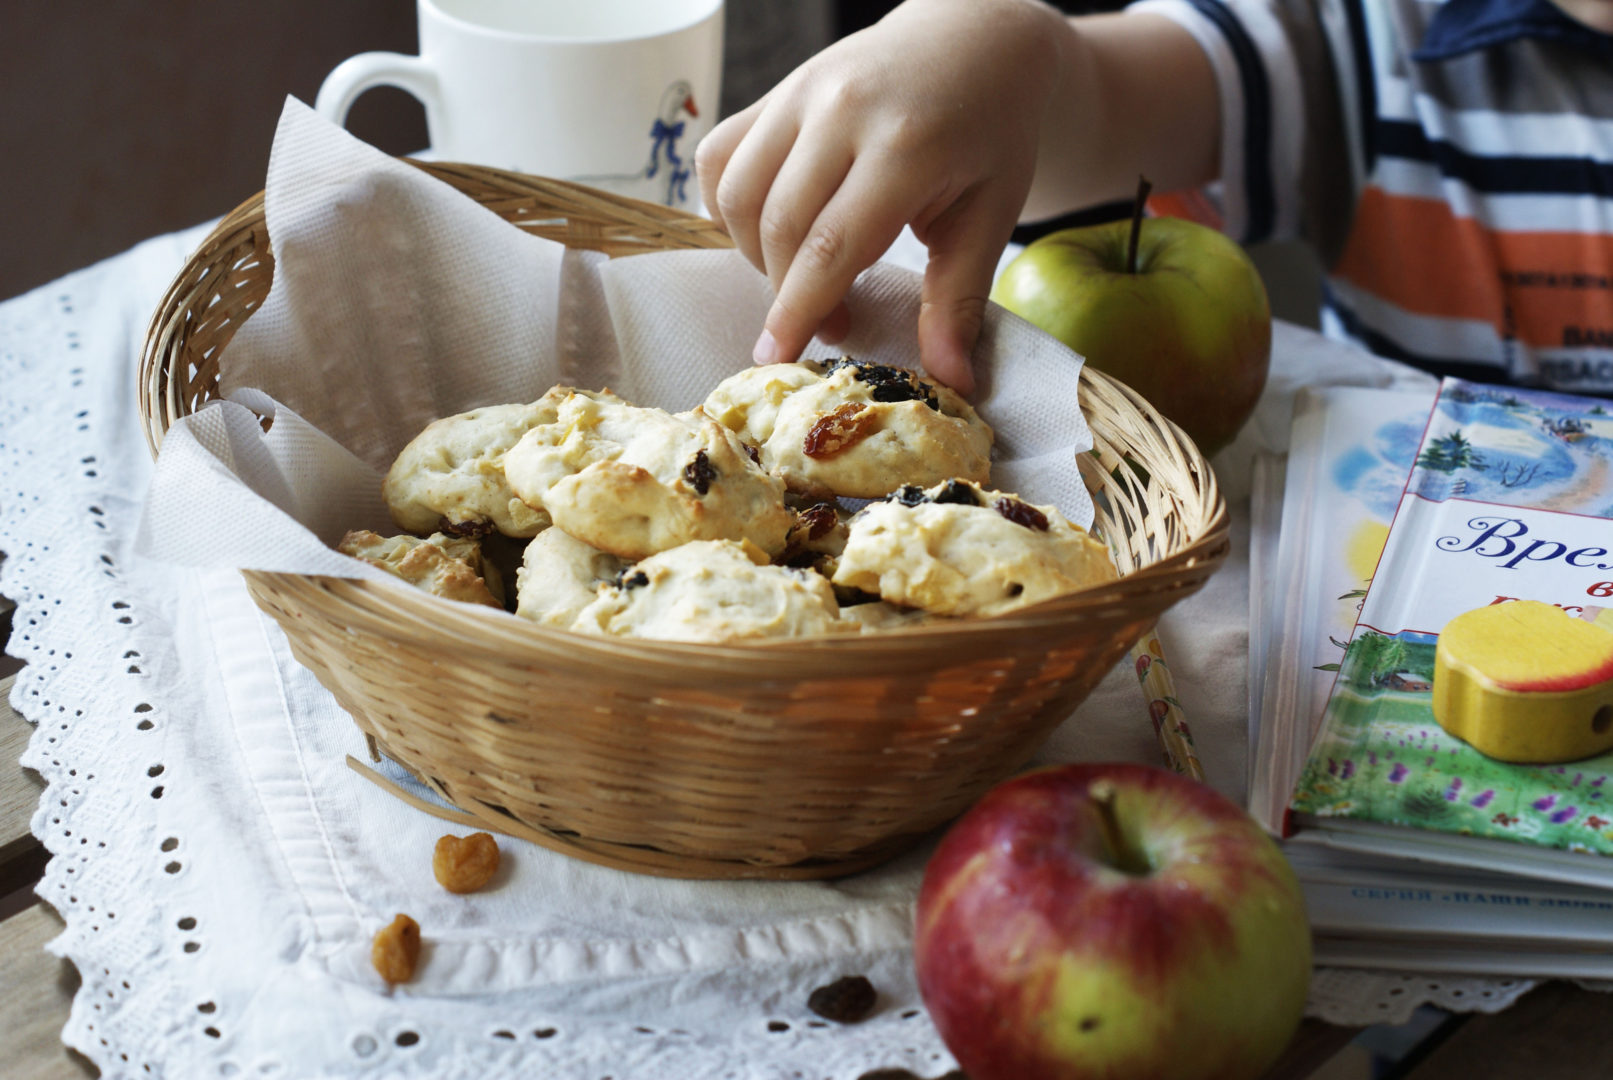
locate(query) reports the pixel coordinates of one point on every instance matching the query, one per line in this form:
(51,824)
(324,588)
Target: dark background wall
(124,119)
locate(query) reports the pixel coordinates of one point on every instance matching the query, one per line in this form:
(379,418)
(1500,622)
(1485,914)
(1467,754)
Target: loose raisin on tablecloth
(846,1000)
(396,949)
(839,431)
(699,474)
(1022,514)
(465,865)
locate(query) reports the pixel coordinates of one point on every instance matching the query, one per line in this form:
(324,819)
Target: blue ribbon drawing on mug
(666,131)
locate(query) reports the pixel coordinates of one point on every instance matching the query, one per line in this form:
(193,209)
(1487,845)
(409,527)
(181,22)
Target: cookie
(881,615)
(559,576)
(852,428)
(634,481)
(817,537)
(446,566)
(451,475)
(958,549)
(713,590)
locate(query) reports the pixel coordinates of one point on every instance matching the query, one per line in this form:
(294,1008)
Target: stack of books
(1399,511)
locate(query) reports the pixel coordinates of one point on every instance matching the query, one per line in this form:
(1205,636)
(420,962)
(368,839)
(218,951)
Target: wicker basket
(785,759)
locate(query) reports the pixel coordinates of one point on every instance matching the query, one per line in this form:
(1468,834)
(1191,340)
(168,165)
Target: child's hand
(931,118)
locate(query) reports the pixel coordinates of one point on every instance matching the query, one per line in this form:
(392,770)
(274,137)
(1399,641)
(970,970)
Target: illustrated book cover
(1509,499)
(1387,893)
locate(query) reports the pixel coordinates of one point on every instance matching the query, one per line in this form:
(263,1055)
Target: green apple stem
(1143,188)
(1123,856)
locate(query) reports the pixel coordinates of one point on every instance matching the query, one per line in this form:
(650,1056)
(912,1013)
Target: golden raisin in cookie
(632,481)
(396,949)
(957,549)
(465,864)
(450,477)
(852,428)
(446,566)
(839,431)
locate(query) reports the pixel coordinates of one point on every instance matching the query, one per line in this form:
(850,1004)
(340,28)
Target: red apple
(1179,314)
(1115,921)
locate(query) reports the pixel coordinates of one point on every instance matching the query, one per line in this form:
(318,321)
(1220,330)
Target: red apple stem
(1143,188)
(1124,857)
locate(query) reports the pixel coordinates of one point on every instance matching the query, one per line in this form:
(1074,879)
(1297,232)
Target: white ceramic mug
(612,93)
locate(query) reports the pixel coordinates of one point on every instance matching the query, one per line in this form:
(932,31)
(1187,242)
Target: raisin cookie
(713,590)
(635,481)
(817,538)
(451,475)
(447,566)
(958,549)
(559,576)
(852,428)
(881,615)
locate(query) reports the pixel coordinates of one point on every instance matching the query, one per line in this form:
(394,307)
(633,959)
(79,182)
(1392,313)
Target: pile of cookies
(726,522)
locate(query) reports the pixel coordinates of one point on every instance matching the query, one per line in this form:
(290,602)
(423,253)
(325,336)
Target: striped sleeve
(1258,55)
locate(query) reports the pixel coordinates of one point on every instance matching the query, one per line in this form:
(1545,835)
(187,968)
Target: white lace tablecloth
(220,870)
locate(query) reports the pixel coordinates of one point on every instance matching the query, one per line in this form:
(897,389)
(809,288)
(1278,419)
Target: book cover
(1509,499)
(1350,452)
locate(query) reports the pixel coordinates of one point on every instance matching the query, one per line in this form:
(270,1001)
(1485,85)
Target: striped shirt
(1452,163)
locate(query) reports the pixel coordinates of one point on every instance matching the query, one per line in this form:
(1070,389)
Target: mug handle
(357,74)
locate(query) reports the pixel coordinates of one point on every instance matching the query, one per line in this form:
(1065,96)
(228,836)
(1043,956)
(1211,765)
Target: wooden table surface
(1556,1032)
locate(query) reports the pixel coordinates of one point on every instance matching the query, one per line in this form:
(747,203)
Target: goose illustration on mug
(666,133)
(664,136)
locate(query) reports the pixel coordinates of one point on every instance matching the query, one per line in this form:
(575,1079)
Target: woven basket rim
(1210,545)
(470,623)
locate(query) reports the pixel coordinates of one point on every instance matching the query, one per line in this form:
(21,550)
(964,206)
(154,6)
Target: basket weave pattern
(782,759)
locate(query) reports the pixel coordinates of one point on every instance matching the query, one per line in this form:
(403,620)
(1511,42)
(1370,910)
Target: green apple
(1189,329)
(1111,921)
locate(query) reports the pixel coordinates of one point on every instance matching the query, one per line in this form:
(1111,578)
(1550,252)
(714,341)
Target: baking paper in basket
(397,300)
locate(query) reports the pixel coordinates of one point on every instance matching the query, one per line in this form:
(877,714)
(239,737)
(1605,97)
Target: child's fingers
(748,177)
(835,326)
(861,220)
(713,152)
(815,169)
(965,243)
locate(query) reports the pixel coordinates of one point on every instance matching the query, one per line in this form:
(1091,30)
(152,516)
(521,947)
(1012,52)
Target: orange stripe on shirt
(1191,204)
(1417,254)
